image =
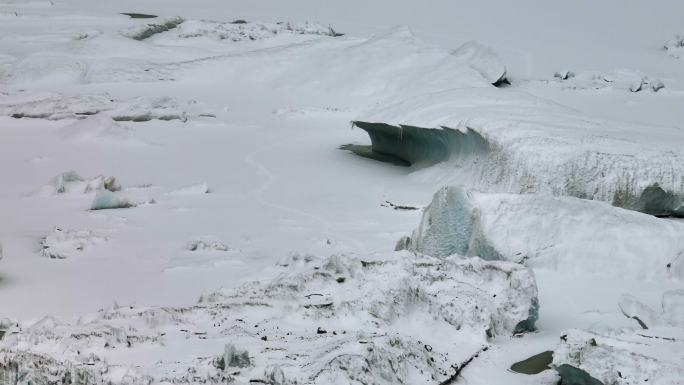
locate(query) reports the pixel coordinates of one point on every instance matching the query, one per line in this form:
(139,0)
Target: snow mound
(71,183)
(63,244)
(633,81)
(196,189)
(240,31)
(565,234)
(393,64)
(533,145)
(484,60)
(57,107)
(675,47)
(100,129)
(206,244)
(337,320)
(651,356)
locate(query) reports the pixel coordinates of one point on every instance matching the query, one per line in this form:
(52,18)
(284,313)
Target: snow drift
(562,233)
(340,319)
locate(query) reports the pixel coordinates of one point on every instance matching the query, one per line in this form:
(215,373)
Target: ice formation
(562,233)
(534,146)
(63,243)
(321,321)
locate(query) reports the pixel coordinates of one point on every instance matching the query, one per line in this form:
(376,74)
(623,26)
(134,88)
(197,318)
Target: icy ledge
(566,234)
(395,319)
(508,141)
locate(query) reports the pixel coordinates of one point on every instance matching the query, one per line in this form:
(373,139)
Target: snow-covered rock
(501,140)
(63,243)
(562,233)
(400,318)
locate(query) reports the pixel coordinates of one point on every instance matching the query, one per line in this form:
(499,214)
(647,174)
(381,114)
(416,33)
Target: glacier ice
(532,146)
(562,233)
(397,318)
(420,146)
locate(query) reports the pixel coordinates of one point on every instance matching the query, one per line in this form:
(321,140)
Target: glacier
(534,146)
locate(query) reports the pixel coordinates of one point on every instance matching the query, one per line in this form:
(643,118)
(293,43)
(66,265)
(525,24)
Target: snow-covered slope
(534,145)
(569,235)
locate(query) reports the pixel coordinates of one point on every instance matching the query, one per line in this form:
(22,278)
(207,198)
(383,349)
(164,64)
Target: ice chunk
(565,234)
(105,199)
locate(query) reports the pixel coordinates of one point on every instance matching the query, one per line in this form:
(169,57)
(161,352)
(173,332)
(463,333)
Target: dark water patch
(535,364)
(139,15)
(423,146)
(367,152)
